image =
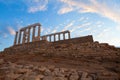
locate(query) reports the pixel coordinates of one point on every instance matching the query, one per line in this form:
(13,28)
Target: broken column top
(30,26)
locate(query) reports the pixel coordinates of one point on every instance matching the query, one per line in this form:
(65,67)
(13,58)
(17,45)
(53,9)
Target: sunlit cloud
(93,6)
(11,30)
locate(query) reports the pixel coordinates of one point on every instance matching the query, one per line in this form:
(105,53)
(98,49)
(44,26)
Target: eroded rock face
(1,61)
(87,52)
(14,71)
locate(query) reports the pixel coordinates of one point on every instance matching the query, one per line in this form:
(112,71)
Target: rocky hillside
(87,61)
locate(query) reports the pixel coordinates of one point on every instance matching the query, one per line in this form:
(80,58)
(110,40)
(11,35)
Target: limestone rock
(74,76)
(1,61)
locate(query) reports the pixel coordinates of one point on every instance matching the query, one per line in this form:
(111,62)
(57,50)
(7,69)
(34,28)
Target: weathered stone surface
(12,76)
(1,61)
(48,78)
(13,72)
(74,76)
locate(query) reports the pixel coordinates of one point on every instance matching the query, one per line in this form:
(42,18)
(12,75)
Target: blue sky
(100,18)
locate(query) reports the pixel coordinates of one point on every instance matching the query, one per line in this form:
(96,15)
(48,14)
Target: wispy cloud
(5,35)
(87,24)
(65,9)
(108,36)
(11,30)
(92,6)
(2,34)
(36,5)
(118,27)
(0,43)
(68,25)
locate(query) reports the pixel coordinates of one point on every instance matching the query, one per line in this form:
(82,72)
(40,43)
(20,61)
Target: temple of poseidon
(79,58)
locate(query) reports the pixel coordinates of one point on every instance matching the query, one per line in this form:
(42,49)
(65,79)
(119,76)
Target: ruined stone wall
(45,44)
(77,40)
(27,46)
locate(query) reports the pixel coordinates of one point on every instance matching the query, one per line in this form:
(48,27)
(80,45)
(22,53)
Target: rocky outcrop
(13,71)
(88,53)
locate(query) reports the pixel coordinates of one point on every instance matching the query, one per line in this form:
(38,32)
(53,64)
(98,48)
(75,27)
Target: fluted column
(59,37)
(19,40)
(28,39)
(63,36)
(15,40)
(69,35)
(33,34)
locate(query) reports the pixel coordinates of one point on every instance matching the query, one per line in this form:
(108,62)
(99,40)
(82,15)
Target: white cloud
(68,25)
(11,30)
(87,24)
(118,27)
(104,33)
(4,35)
(65,10)
(36,5)
(93,6)
(55,29)
(107,36)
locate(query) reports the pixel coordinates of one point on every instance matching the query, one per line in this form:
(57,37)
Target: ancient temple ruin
(63,33)
(81,58)
(30,37)
(23,35)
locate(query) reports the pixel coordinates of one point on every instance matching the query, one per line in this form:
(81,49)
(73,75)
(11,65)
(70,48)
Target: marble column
(54,37)
(28,39)
(16,36)
(33,33)
(19,40)
(69,35)
(58,37)
(39,31)
(24,36)
(63,36)
(50,38)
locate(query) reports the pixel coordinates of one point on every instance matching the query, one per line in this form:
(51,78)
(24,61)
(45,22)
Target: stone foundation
(43,44)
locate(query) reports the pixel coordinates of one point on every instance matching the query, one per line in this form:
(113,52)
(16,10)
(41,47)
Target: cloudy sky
(100,18)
